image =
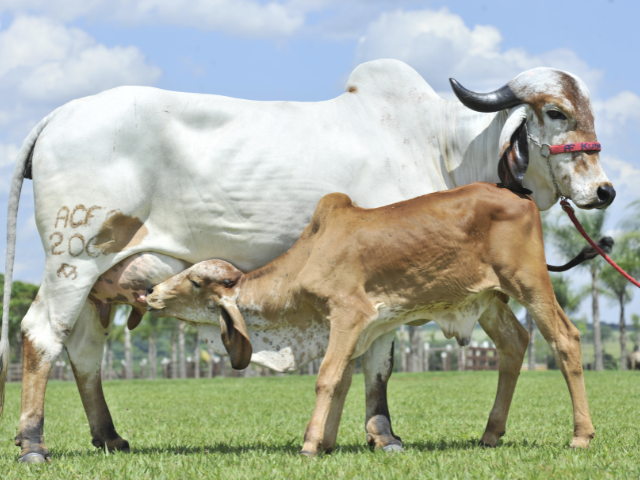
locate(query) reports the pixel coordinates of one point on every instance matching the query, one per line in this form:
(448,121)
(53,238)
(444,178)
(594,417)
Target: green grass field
(253,427)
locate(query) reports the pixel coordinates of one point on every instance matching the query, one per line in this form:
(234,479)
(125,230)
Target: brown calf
(452,257)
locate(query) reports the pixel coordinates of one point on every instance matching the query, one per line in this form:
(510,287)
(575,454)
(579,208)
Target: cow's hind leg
(85,348)
(42,342)
(511,340)
(45,328)
(377,364)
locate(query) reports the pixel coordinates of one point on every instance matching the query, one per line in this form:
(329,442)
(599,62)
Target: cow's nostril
(150,291)
(606,194)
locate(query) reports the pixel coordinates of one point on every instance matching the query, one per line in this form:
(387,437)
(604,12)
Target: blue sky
(56,50)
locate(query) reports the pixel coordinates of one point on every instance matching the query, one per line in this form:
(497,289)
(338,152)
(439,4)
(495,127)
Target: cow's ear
(235,338)
(514,160)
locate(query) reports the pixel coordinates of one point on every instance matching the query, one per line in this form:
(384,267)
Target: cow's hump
(389,78)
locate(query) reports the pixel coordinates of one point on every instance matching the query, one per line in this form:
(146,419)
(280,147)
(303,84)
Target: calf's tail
(587,253)
(21,170)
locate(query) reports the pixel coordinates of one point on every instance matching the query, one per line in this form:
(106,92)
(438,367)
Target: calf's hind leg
(511,340)
(85,348)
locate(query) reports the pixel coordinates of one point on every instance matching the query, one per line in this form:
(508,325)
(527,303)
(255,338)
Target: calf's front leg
(330,391)
(564,339)
(337,405)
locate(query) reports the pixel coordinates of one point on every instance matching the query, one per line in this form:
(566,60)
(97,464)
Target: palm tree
(181,355)
(196,357)
(627,256)
(174,351)
(149,328)
(569,241)
(635,318)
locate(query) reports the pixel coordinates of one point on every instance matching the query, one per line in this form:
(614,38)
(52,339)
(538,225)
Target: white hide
(216,177)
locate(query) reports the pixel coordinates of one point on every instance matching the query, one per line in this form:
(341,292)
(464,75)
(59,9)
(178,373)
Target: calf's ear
(135,317)
(234,335)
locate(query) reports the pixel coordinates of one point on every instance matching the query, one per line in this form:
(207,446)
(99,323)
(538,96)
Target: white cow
(201,176)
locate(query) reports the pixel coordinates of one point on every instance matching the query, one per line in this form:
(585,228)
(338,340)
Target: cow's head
(206,293)
(554,108)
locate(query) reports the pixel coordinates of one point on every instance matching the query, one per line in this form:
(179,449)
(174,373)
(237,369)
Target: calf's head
(206,293)
(554,108)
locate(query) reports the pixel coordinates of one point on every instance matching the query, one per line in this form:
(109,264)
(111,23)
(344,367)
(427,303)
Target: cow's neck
(471,144)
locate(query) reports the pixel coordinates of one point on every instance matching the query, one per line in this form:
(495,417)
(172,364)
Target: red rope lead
(567,208)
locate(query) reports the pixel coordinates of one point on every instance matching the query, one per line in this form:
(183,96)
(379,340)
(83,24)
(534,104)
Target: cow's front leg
(511,340)
(346,327)
(85,348)
(377,363)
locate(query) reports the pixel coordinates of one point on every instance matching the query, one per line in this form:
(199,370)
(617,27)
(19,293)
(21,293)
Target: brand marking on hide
(69,271)
(77,251)
(53,247)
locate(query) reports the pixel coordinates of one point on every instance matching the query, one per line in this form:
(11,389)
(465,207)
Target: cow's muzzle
(606,194)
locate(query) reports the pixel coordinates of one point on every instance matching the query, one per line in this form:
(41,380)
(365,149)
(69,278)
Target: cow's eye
(556,115)
(194,283)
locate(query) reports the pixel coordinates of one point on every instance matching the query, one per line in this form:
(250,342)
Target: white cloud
(619,109)
(245,18)
(622,174)
(60,63)
(8,154)
(440,45)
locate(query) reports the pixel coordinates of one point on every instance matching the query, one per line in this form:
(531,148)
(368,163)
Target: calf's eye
(556,115)
(194,283)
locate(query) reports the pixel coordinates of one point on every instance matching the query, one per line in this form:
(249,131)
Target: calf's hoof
(308,454)
(580,442)
(393,448)
(34,457)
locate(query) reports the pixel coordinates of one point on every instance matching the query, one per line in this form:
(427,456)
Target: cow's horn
(500,99)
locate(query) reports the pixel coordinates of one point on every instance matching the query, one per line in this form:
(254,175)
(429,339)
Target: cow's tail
(22,167)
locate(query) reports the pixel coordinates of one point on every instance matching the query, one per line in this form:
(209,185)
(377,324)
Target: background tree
(116,336)
(627,255)
(149,328)
(635,318)
(22,295)
(569,242)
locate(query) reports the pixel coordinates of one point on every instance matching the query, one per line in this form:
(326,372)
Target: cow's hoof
(393,448)
(34,457)
(305,453)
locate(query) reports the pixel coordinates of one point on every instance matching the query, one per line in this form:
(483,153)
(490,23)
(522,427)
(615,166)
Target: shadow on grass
(291,448)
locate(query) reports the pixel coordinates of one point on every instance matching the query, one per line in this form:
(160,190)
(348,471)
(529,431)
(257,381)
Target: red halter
(572,147)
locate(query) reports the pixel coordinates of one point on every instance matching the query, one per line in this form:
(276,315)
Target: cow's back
(210,176)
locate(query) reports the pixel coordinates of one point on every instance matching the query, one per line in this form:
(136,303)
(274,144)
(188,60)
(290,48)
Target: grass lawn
(253,427)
